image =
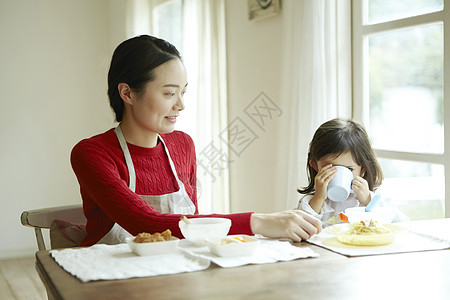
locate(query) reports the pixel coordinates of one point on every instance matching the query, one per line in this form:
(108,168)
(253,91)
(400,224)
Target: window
(400,70)
(167,20)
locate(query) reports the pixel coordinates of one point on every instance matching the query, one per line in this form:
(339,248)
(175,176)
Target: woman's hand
(361,188)
(293,224)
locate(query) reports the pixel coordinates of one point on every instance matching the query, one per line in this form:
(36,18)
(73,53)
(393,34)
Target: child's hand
(361,188)
(322,180)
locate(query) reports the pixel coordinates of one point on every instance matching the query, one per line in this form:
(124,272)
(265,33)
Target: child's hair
(339,136)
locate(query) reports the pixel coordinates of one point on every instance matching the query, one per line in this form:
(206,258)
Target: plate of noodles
(364,233)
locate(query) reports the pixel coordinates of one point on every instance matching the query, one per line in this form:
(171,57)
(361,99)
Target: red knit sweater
(99,164)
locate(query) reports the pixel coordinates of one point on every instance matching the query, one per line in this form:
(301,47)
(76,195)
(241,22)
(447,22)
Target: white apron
(174,203)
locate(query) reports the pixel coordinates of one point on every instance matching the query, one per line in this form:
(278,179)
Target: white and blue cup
(340,186)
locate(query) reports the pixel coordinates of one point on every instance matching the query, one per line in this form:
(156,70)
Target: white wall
(54,57)
(254,66)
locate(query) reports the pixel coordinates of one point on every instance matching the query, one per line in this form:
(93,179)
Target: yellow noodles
(362,228)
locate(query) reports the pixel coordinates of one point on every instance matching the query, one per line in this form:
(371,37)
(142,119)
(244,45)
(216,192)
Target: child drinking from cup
(341,143)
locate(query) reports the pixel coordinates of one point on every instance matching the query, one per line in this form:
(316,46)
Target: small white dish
(155,248)
(233,245)
(201,229)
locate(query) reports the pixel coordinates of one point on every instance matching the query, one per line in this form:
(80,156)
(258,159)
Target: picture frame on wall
(261,9)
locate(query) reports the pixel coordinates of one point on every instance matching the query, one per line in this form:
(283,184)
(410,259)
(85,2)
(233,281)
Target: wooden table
(415,275)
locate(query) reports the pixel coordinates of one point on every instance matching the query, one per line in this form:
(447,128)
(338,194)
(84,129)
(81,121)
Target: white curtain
(316,84)
(205,116)
(138,17)
(204,55)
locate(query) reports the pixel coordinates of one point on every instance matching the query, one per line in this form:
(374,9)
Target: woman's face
(157,109)
(344,159)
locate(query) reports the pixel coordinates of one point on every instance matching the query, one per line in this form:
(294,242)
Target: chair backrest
(45,217)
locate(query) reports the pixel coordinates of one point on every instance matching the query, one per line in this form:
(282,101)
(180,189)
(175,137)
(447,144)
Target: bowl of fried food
(233,245)
(153,244)
(197,230)
(364,233)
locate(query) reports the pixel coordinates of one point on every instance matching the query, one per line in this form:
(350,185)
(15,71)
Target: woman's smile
(171,119)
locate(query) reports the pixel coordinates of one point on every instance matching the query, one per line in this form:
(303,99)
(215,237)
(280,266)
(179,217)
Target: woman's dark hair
(339,136)
(133,63)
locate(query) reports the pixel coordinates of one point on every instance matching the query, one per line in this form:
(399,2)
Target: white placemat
(407,240)
(106,262)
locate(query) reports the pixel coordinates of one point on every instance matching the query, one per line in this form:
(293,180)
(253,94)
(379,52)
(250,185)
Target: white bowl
(238,245)
(155,248)
(201,229)
(358,214)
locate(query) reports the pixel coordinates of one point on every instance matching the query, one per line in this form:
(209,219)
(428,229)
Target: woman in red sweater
(141,175)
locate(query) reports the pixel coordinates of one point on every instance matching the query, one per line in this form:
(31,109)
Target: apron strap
(172,165)
(128,159)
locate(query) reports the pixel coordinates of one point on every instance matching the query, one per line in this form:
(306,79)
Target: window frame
(360,82)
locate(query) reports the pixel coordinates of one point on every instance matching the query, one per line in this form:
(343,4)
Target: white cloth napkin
(106,262)
(268,251)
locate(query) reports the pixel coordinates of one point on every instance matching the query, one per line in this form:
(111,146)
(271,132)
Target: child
(341,142)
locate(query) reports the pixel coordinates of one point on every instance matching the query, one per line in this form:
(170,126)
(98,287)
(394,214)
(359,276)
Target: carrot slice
(343,218)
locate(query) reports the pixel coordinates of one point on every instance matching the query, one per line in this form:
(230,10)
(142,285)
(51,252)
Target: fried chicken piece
(145,237)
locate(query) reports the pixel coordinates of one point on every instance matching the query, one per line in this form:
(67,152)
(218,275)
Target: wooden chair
(43,219)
